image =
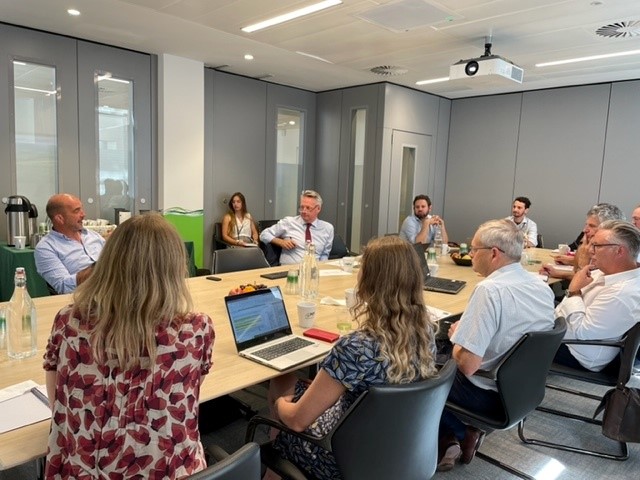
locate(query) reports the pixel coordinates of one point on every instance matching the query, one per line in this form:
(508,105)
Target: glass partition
(115,144)
(36,135)
(406,182)
(358,126)
(289,161)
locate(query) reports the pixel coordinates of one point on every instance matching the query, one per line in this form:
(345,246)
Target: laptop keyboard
(441,284)
(283,348)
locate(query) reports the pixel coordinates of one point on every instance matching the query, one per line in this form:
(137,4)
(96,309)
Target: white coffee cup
(306,314)
(563,249)
(21,242)
(347,264)
(445,249)
(433,269)
(350,297)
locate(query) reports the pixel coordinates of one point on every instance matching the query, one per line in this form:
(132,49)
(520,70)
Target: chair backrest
(237,259)
(262,224)
(628,352)
(218,243)
(339,249)
(522,373)
(392,430)
(243,464)
(540,239)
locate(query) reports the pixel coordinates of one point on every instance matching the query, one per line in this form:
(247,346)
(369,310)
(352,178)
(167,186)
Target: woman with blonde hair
(125,361)
(238,228)
(393,344)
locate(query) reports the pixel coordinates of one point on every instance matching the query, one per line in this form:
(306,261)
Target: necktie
(307,233)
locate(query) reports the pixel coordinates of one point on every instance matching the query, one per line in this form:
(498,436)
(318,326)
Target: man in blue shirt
(292,233)
(421,226)
(65,257)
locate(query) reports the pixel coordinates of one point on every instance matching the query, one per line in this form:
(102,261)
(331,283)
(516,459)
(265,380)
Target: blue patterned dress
(354,361)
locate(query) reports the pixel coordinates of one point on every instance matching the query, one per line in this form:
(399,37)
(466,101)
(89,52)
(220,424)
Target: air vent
(628,28)
(388,70)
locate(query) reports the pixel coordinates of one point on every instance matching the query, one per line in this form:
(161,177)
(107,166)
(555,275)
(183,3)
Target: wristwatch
(569,293)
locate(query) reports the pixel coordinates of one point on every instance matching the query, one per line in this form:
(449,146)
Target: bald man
(65,257)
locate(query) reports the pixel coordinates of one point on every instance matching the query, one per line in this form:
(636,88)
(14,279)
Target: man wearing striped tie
(292,233)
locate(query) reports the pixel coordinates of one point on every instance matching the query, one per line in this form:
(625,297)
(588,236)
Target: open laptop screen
(258,315)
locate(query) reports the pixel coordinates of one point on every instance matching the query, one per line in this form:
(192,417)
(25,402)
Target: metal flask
(17,218)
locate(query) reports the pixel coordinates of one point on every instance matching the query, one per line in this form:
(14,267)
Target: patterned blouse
(139,423)
(355,362)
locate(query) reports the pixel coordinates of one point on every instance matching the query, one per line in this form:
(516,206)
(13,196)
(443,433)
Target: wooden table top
(229,372)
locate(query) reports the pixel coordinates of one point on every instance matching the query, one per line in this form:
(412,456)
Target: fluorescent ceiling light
(433,80)
(291,15)
(73,12)
(586,59)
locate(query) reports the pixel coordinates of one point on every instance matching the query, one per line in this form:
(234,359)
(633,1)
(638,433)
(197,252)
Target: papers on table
(333,272)
(437,313)
(23,404)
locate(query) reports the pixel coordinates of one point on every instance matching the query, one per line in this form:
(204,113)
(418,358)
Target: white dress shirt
(294,228)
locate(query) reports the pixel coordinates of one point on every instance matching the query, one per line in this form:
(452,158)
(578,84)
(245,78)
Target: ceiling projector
(488,66)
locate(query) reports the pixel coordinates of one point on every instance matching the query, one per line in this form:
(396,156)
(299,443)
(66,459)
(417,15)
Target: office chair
(218,242)
(390,431)
(628,345)
(271,252)
(520,377)
(237,259)
(244,464)
(540,239)
(339,249)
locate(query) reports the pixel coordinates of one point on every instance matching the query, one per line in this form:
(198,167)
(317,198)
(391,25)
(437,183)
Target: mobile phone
(215,279)
(321,335)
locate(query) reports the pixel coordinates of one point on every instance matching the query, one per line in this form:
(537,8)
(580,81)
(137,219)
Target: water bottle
(21,320)
(309,274)
(437,240)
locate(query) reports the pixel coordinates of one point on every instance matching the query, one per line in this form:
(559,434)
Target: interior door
(412,173)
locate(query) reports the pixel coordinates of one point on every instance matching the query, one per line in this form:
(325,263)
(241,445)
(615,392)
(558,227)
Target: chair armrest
(603,343)
(256,420)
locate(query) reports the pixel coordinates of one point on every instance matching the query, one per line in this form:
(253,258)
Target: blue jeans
(471,397)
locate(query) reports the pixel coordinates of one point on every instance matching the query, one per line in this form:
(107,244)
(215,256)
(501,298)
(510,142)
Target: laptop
(262,331)
(436,284)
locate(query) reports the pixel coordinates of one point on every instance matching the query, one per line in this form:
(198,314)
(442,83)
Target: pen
(40,396)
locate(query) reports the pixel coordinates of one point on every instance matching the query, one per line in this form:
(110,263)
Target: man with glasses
(603,298)
(292,233)
(508,303)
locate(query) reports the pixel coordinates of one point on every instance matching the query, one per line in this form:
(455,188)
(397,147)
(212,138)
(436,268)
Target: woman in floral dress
(393,344)
(125,361)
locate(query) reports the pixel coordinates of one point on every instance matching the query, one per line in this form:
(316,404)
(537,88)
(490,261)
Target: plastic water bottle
(437,240)
(21,320)
(309,274)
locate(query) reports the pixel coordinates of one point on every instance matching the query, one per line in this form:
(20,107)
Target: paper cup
(21,242)
(563,249)
(306,314)
(350,297)
(347,264)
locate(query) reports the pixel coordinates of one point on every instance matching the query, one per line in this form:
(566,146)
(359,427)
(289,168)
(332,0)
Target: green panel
(190,226)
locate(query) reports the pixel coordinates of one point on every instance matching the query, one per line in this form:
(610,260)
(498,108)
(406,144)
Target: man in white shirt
(508,303)
(519,210)
(292,233)
(603,298)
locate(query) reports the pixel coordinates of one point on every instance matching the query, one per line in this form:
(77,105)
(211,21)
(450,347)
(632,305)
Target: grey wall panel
(621,156)
(481,162)
(560,151)
(441,145)
(328,153)
(410,110)
(208,192)
(239,131)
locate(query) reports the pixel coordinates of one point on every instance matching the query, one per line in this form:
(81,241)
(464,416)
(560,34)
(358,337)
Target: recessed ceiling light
(433,80)
(73,12)
(248,56)
(291,15)
(586,59)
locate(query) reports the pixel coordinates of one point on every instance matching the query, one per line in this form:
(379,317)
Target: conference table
(230,372)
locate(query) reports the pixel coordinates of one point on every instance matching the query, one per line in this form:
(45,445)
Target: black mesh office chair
(244,464)
(628,349)
(237,259)
(520,377)
(390,432)
(271,251)
(339,249)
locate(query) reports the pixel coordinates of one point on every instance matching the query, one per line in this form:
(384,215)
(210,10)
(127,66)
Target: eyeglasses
(475,249)
(595,246)
(307,209)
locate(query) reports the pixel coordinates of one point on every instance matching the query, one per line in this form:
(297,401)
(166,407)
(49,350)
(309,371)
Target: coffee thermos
(18,218)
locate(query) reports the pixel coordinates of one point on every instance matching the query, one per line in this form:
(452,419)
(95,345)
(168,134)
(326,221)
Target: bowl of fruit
(249,287)
(462,260)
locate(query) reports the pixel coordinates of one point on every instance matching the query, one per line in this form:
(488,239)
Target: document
(23,404)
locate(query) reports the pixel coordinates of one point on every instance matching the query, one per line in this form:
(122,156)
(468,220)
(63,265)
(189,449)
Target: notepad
(23,404)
